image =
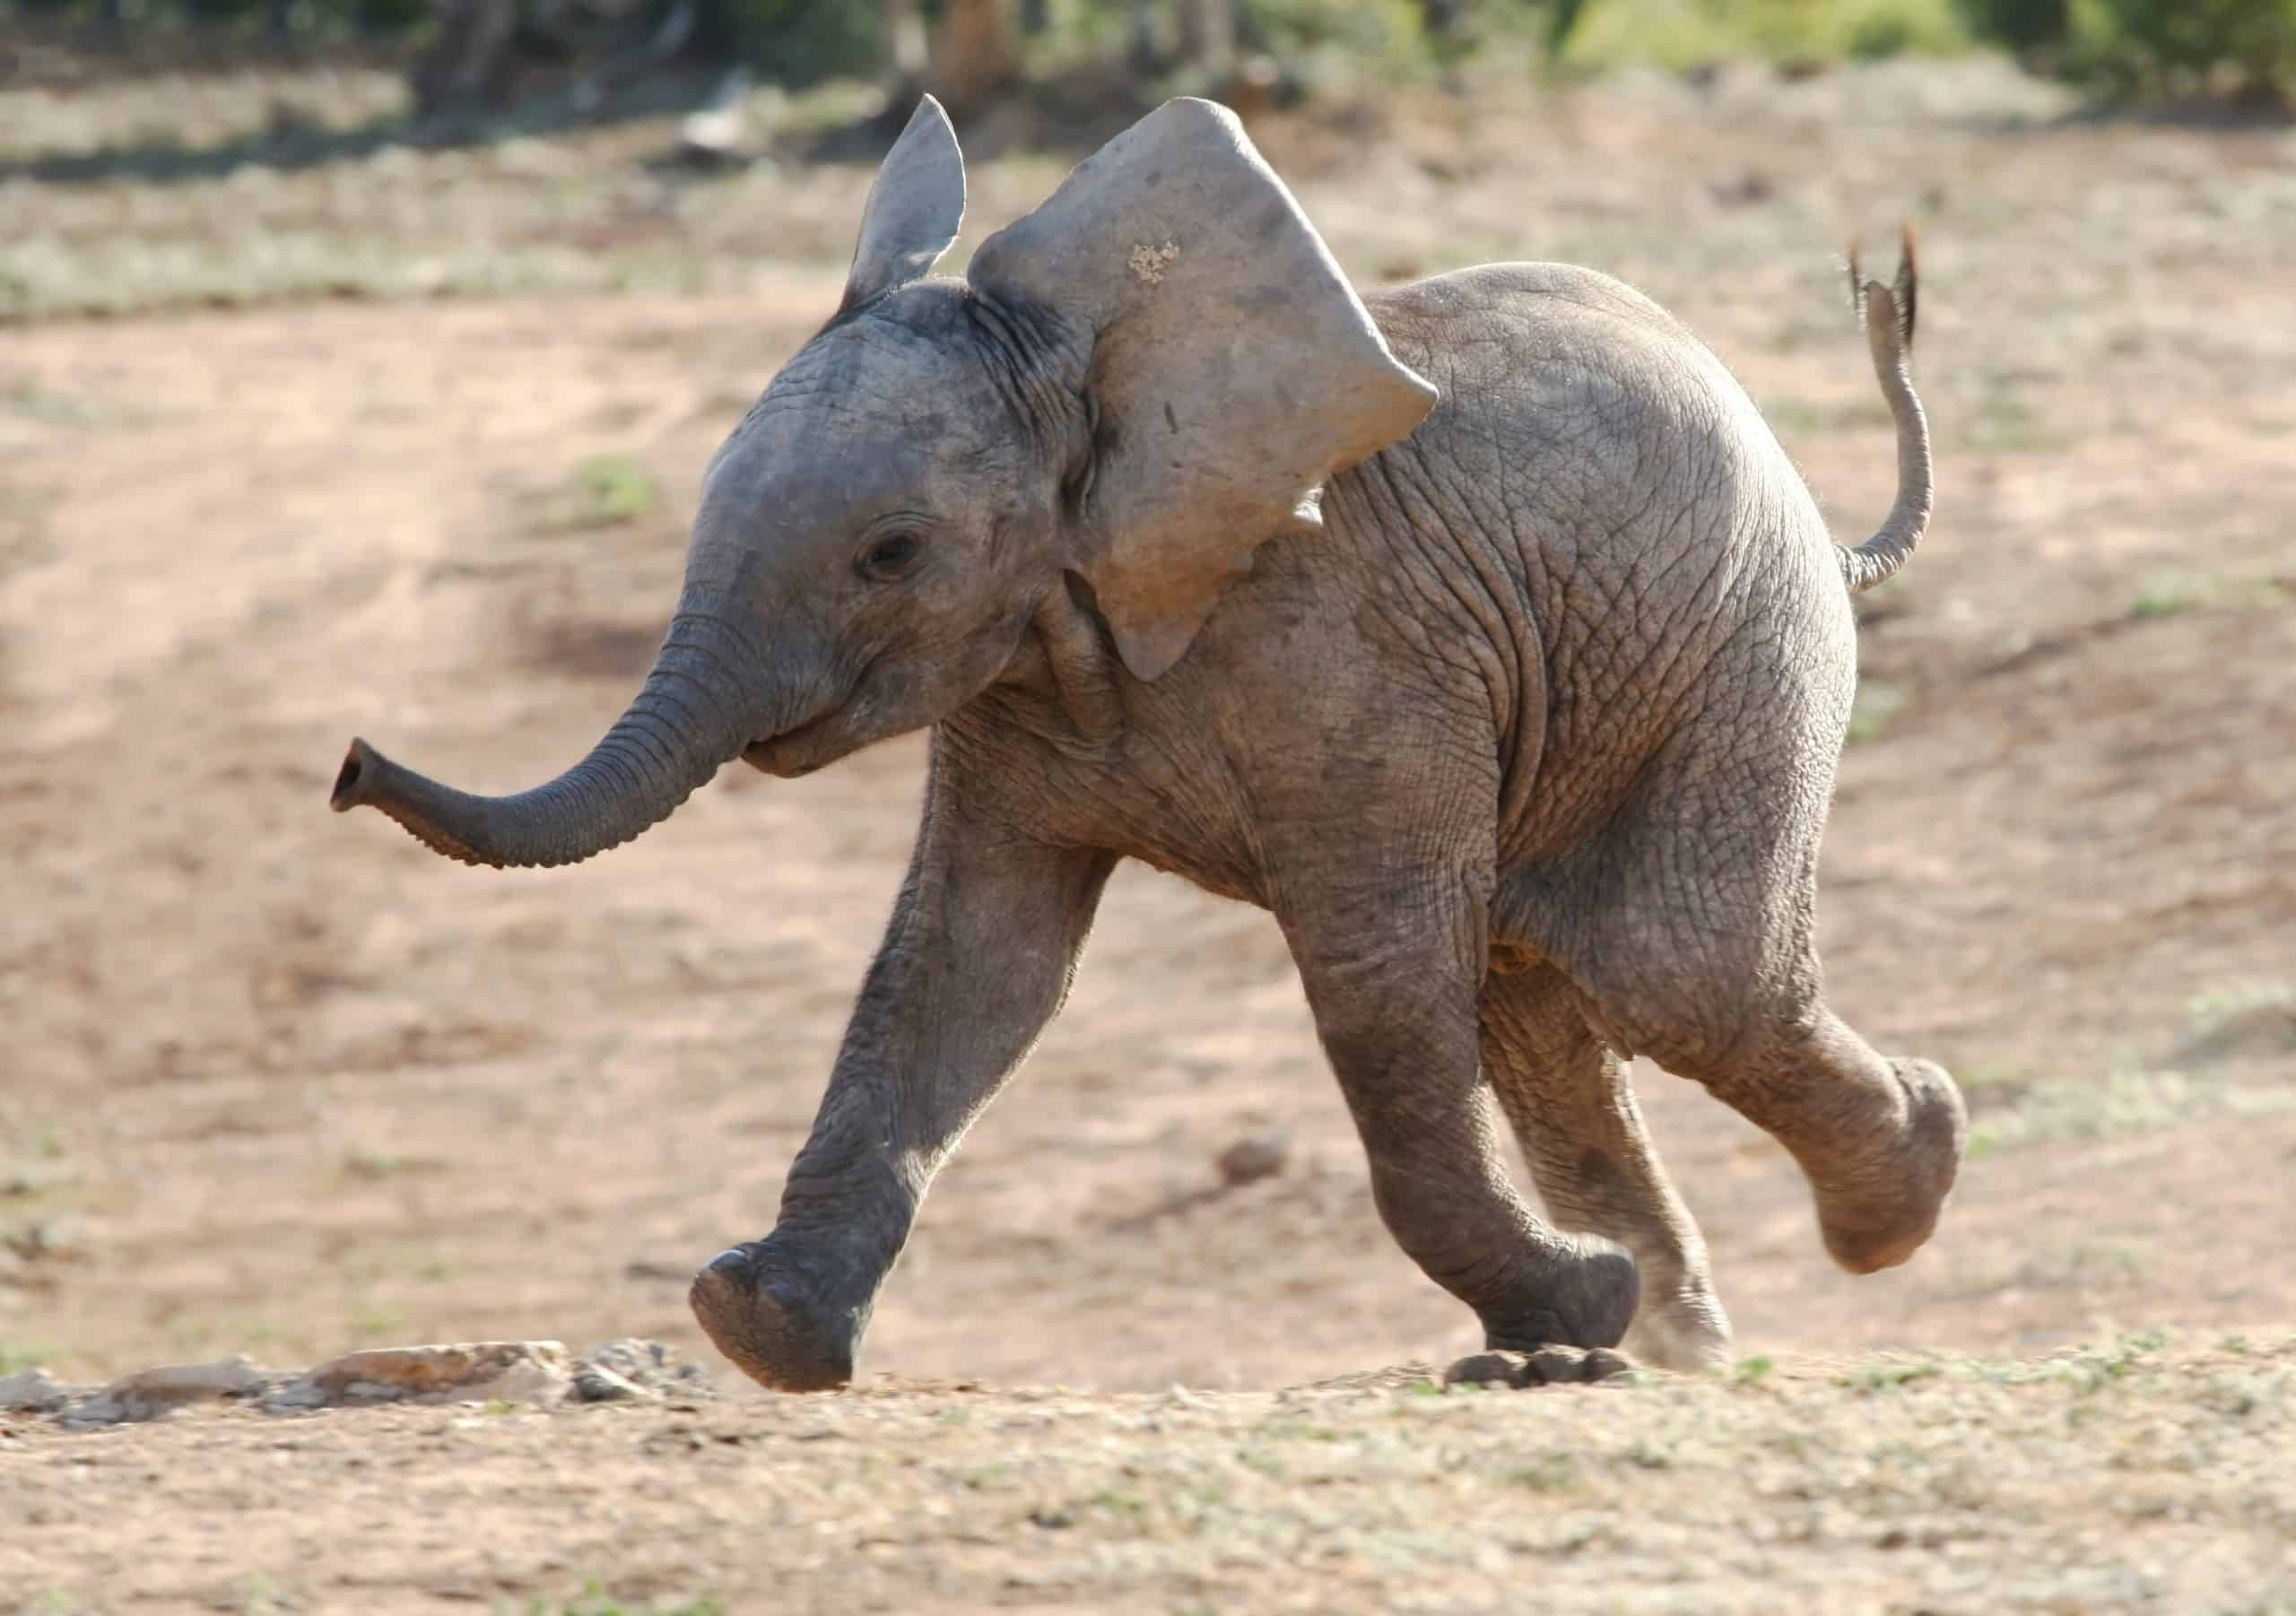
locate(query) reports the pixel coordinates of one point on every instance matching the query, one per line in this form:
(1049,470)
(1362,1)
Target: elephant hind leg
(1879,1139)
(1566,1095)
(1689,930)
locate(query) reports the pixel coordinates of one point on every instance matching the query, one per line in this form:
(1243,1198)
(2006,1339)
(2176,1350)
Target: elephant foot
(1884,1219)
(768,1329)
(1685,1331)
(1542,1366)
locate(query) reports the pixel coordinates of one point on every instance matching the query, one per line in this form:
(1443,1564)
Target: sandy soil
(282,1084)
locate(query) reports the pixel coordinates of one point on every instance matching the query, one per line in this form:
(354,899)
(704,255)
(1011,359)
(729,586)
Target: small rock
(32,1392)
(61,1238)
(149,1393)
(31,1177)
(1252,1158)
(513,1371)
(628,1368)
(594,1383)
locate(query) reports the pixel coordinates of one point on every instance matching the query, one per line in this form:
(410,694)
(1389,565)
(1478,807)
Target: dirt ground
(282,1084)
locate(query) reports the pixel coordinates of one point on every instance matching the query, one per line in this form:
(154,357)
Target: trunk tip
(353,780)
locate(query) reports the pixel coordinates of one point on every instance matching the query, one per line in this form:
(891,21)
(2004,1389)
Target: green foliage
(389,16)
(795,42)
(2147,47)
(2242,48)
(2130,48)
(596,1601)
(1375,28)
(1685,33)
(606,491)
(2021,25)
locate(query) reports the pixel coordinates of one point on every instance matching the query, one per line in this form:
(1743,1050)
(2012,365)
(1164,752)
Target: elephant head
(1135,385)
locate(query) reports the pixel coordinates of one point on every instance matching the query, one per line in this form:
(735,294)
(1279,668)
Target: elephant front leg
(1392,976)
(976,960)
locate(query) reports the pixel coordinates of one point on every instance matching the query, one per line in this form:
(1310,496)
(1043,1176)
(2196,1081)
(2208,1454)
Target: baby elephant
(1480,629)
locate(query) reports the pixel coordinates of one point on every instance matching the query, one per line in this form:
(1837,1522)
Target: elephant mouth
(794,754)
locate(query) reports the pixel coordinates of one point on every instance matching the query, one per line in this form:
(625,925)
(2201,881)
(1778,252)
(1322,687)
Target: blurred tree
(977,51)
(1143,55)
(905,48)
(463,65)
(2147,47)
(1208,37)
(2022,25)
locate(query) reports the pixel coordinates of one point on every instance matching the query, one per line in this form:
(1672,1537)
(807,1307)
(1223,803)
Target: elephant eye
(890,556)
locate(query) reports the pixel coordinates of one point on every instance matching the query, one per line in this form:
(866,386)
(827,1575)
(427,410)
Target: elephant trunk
(700,705)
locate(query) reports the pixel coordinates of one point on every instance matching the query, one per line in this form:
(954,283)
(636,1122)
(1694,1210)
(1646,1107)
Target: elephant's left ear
(1232,366)
(916,207)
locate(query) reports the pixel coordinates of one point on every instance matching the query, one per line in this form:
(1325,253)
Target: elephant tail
(1888,314)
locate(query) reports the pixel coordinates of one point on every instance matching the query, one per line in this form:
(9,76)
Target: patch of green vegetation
(15,1360)
(2005,424)
(2237,998)
(1260,1460)
(606,491)
(1129,1505)
(1870,712)
(27,399)
(1792,417)
(1297,1431)
(1678,34)
(2084,1265)
(2242,51)
(1556,1471)
(2095,1367)
(377,1321)
(595,1599)
(2173,595)
(1752,1371)
(2123,1102)
(1890,1374)
(1989,1089)
(2167,601)
(385,1164)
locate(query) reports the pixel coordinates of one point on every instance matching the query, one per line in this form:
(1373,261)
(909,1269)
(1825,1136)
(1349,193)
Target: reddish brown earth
(284,1084)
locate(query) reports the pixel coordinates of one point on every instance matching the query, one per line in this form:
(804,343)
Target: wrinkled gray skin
(1525,732)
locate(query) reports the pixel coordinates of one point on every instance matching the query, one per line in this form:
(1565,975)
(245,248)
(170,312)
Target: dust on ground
(284,1084)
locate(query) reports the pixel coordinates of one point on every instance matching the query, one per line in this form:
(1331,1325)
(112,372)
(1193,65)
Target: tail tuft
(1887,313)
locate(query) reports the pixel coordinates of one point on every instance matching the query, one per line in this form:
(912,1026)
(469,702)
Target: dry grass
(2134,1474)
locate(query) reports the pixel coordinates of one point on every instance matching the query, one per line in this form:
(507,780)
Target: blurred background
(358,359)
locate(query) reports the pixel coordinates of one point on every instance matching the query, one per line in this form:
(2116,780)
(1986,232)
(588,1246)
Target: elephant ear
(916,207)
(1231,368)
